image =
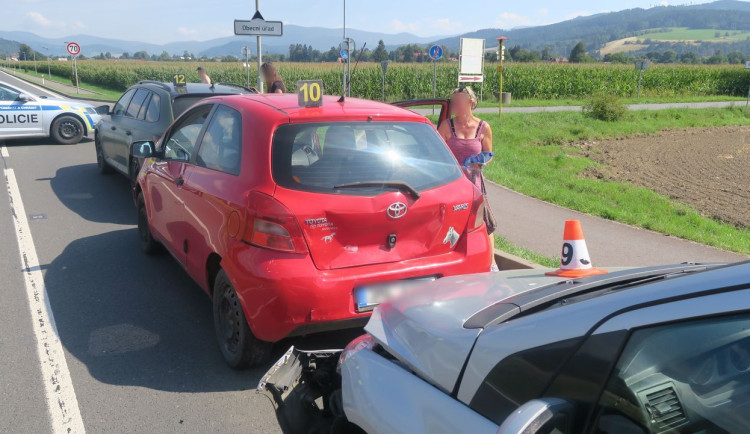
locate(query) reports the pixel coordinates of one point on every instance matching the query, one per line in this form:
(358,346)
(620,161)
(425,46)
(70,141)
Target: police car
(23,115)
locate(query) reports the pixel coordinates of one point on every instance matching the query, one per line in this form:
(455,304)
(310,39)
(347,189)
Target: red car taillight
(272,226)
(476,218)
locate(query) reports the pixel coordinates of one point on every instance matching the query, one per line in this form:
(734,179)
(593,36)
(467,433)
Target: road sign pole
(75,72)
(434,83)
(260,52)
(640,76)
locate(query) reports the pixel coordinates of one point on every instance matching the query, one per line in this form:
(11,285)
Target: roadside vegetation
(536,156)
(526,81)
(502,243)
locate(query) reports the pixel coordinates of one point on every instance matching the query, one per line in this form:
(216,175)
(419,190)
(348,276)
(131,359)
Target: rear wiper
(400,185)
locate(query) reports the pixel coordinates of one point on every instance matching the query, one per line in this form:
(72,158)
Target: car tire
(148,244)
(67,130)
(104,168)
(133,168)
(240,348)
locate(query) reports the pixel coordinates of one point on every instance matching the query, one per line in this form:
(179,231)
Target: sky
(160,21)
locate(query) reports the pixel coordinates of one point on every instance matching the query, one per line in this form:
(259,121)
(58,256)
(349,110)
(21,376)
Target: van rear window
(325,157)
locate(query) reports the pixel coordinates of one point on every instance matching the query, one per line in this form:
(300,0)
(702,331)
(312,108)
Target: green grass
(643,100)
(100,92)
(688,34)
(534,158)
(503,244)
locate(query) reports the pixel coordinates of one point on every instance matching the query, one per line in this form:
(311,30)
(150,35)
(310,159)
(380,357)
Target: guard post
(747,67)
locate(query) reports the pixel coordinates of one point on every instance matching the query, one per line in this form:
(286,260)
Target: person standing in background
(203,76)
(274,82)
(470,140)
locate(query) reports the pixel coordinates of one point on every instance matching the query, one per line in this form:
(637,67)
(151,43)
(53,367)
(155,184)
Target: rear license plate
(367,297)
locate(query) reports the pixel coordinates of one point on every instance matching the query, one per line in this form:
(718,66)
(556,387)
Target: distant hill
(705,28)
(598,30)
(8,47)
(317,37)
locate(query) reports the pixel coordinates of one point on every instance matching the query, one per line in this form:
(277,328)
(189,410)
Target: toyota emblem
(396,210)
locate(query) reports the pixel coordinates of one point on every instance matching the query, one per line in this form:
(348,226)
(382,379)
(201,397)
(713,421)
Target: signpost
(436,52)
(747,67)
(384,66)
(471,62)
(346,48)
(258,27)
(501,59)
(74,50)
(641,65)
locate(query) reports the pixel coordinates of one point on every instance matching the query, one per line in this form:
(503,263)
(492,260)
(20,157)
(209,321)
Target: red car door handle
(179,181)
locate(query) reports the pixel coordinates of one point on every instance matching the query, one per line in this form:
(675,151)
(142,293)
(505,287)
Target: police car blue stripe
(51,107)
(91,121)
(20,108)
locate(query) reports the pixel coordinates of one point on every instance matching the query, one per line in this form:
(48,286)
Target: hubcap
(69,129)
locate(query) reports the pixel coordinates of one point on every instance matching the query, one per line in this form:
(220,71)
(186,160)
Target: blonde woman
(470,140)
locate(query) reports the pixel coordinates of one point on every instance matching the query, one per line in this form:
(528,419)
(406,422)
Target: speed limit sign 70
(73,49)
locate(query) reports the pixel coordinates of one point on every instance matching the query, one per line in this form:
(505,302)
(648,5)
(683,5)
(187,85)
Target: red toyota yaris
(297,220)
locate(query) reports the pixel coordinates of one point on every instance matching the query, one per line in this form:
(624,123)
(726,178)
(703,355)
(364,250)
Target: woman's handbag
(489,217)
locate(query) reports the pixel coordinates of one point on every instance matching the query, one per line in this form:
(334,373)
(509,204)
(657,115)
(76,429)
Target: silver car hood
(424,328)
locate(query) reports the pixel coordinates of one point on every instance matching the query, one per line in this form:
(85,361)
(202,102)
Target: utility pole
(34,53)
(260,60)
(48,69)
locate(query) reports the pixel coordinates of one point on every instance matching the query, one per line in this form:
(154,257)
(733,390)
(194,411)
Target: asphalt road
(136,332)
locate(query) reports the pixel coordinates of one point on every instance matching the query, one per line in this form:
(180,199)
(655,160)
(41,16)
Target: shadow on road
(134,319)
(97,198)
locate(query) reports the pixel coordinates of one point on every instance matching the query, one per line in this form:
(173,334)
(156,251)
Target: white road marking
(40,89)
(4,152)
(65,416)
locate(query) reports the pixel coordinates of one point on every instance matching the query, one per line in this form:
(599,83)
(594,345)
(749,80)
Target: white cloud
(445,25)
(400,26)
(508,20)
(187,32)
(39,19)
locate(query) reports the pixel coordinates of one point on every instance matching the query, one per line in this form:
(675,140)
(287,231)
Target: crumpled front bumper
(306,391)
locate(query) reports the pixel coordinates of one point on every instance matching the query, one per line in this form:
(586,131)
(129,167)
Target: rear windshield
(325,157)
(183,102)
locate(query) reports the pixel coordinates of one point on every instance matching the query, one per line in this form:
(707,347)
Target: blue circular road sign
(436,52)
(344,54)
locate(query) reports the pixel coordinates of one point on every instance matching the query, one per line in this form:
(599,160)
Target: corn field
(408,81)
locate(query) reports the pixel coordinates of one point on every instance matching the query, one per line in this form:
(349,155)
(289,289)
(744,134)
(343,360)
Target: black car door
(428,107)
(123,134)
(107,129)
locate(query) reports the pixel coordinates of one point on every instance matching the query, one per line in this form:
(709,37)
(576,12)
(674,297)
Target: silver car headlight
(91,110)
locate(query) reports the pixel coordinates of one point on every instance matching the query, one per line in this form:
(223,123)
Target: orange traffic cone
(575,260)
